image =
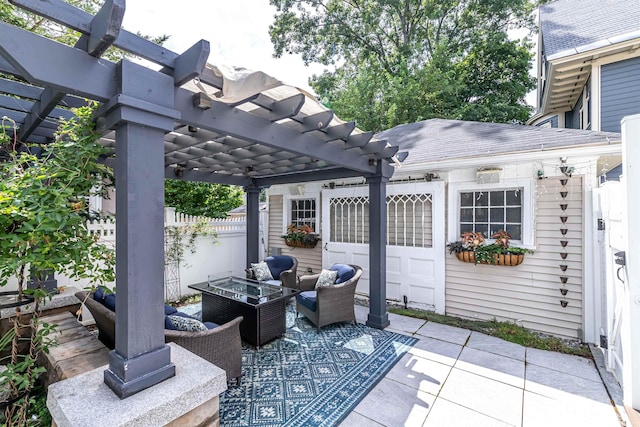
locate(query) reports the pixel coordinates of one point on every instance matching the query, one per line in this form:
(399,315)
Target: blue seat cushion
(308,299)
(345,272)
(277,264)
(211,325)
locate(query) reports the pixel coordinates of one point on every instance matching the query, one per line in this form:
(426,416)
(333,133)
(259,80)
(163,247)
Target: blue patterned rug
(310,379)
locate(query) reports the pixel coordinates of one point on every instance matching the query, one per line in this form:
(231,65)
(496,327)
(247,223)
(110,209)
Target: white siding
(307,258)
(529,294)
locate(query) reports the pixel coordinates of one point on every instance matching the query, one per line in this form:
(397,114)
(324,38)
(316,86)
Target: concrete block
(197,383)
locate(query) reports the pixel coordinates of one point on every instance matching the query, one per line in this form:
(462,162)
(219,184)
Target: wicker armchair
(221,346)
(333,303)
(283,268)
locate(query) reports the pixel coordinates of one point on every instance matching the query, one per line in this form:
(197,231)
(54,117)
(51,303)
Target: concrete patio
(455,377)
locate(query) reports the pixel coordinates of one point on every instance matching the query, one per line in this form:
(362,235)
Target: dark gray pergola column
(378,317)
(253,224)
(141,115)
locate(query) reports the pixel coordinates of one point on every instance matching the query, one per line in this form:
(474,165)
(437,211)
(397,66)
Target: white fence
(222,254)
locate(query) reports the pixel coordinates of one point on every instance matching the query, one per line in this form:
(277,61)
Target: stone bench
(78,350)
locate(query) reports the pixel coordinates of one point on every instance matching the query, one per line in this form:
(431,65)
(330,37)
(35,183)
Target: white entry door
(415,239)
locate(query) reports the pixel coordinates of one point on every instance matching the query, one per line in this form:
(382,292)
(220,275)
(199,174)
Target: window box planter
(498,259)
(301,236)
(300,244)
(471,248)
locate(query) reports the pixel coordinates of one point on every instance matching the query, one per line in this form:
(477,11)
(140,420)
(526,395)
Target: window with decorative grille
(487,212)
(409,219)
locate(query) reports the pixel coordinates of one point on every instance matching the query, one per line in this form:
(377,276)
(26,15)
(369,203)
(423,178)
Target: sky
(237,31)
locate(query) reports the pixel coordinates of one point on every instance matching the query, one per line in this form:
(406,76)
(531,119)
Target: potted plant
(43,230)
(301,236)
(472,248)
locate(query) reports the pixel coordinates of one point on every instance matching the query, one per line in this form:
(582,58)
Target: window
(487,212)
(303,212)
(349,219)
(487,208)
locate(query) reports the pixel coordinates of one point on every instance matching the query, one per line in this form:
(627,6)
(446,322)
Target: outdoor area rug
(308,378)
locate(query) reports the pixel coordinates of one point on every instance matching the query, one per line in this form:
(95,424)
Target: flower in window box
(471,248)
(301,236)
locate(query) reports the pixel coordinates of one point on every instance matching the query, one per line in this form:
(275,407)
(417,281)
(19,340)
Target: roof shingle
(440,139)
(571,24)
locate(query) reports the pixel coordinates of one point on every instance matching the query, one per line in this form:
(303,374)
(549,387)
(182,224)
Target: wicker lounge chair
(283,269)
(221,346)
(331,303)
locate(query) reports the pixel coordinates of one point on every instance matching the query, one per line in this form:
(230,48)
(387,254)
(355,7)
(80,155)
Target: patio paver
(489,397)
(393,404)
(456,378)
(493,366)
(444,332)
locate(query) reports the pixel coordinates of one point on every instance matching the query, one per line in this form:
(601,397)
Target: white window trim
(528,208)
(286,210)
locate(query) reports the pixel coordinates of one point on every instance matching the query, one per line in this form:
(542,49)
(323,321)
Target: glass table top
(242,289)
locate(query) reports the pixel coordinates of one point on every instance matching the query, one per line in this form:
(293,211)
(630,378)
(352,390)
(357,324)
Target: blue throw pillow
(345,272)
(169,310)
(99,295)
(110,302)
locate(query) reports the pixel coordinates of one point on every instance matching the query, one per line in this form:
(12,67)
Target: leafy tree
(399,61)
(43,204)
(199,198)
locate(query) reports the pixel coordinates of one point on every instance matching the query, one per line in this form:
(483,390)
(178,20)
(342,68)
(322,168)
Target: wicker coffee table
(261,305)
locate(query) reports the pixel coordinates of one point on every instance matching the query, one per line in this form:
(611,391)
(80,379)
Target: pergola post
(140,359)
(378,317)
(253,224)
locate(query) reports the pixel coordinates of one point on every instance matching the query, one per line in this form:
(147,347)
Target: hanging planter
(471,248)
(498,259)
(301,236)
(300,244)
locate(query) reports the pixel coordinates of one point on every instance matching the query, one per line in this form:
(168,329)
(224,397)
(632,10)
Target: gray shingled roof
(439,139)
(573,24)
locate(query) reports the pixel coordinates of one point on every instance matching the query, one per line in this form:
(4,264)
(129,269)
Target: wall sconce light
(488,175)
(178,171)
(541,174)
(296,190)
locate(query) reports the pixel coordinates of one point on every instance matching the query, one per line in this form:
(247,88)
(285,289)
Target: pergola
(178,122)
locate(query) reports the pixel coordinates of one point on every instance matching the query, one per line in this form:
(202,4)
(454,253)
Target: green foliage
(43,205)
(508,331)
(400,62)
(486,253)
(22,370)
(202,199)
(179,239)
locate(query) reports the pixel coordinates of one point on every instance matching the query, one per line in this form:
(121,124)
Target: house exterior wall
(620,92)
(549,122)
(529,293)
(307,258)
(572,118)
